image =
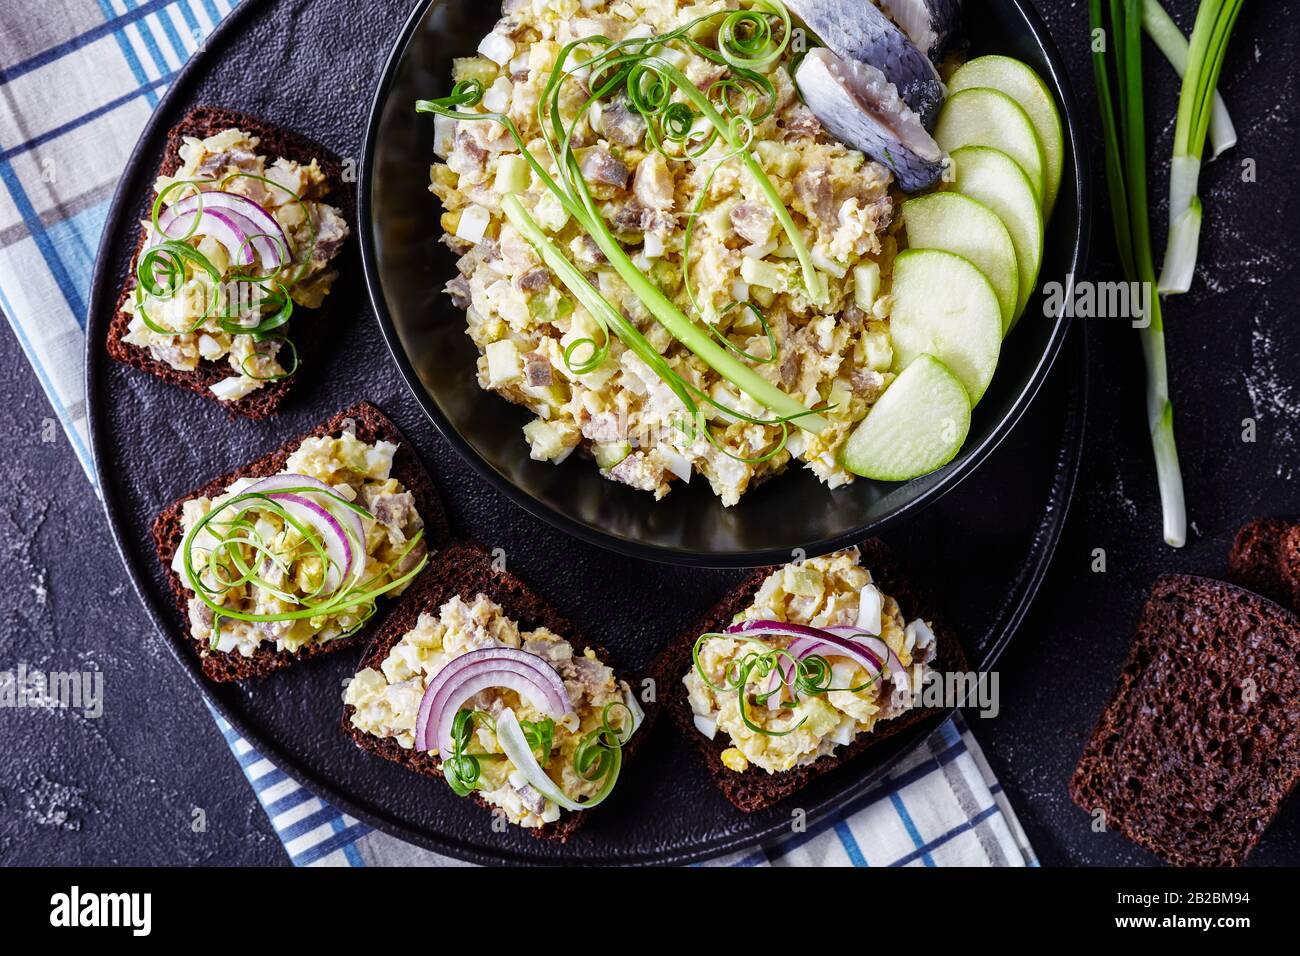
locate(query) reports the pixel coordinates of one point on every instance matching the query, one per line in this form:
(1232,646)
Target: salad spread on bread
(818,659)
(234,241)
(526,720)
(300,557)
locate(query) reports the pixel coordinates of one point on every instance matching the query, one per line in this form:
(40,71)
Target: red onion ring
(257,229)
(867,650)
(330,521)
(479,670)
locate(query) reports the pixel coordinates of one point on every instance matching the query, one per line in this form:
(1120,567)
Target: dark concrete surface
(124,788)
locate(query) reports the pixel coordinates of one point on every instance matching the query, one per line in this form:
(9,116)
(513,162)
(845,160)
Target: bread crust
(1265,558)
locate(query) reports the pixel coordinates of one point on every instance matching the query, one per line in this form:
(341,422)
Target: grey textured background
(123,788)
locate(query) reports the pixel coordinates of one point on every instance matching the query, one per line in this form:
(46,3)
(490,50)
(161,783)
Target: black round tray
(982,551)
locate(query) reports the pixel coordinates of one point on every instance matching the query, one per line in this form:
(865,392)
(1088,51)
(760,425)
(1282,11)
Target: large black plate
(983,549)
(406,268)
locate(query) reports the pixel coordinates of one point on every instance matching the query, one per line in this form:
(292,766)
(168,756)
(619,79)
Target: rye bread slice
(1201,739)
(467,569)
(755,788)
(307,327)
(1265,558)
(168,531)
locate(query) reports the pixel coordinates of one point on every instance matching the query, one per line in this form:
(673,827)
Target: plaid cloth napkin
(78,79)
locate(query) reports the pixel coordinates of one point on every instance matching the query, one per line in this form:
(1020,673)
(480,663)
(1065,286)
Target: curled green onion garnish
(161,275)
(597,753)
(540,735)
(241,555)
(805,676)
(462,769)
(293,365)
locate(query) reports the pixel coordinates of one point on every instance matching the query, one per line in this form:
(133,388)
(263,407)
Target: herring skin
(861,108)
(929,24)
(867,36)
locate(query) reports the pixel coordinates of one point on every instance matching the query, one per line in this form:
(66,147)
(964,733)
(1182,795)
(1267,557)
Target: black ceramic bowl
(406,269)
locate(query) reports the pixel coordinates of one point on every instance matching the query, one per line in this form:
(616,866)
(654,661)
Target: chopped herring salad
(234,242)
(520,717)
(816,661)
(300,558)
(677,269)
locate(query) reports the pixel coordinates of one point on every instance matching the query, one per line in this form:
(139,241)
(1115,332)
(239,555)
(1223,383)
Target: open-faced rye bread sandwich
(291,555)
(477,680)
(243,230)
(1201,739)
(801,668)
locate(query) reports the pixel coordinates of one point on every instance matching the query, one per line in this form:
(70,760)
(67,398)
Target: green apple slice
(985,117)
(917,426)
(945,306)
(965,226)
(996,180)
(1022,84)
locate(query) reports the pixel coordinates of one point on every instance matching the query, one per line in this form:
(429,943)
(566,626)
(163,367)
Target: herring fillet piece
(864,34)
(858,104)
(929,24)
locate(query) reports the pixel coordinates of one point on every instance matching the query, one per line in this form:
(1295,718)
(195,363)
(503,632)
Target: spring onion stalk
(1124,133)
(1209,43)
(1162,30)
(590,299)
(608,317)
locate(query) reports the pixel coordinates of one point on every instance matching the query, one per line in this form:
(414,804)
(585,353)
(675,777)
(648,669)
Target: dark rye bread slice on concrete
(755,788)
(168,531)
(307,328)
(1265,558)
(468,570)
(1201,739)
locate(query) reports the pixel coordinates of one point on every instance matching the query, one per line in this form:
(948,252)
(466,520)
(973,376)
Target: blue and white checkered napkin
(78,79)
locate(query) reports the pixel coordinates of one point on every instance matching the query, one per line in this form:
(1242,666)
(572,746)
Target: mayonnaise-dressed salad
(663,254)
(817,660)
(685,240)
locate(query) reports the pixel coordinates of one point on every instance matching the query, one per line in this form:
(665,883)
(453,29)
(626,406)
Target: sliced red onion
(255,228)
(350,520)
(232,231)
(846,643)
(869,651)
(337,547)
(469,674)
(871,641)
(339,526)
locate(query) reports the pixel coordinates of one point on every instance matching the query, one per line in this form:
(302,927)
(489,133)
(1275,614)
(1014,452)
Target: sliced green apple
(944,306)
(967,227)
(917,426)
(1019,81)
(986,117)
(996,180)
